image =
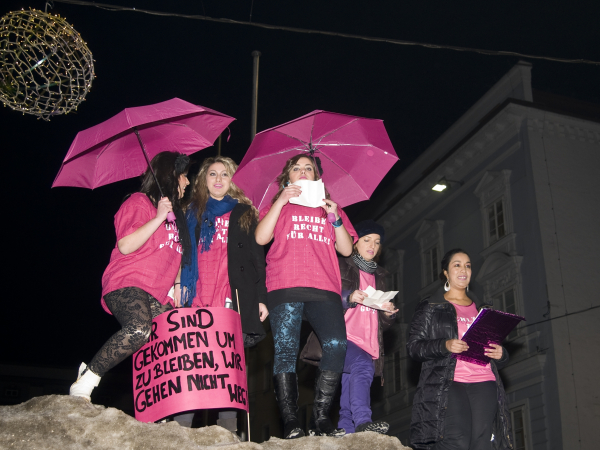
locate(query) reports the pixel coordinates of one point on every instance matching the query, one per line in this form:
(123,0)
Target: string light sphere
(46,69)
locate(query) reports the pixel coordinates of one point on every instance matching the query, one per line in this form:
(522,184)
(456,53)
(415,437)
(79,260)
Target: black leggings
(134,309)
(470,415)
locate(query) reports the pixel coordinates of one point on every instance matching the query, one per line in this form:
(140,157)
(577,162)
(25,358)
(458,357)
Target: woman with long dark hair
(142,268)
(458,405)
(303,278)
(226,266)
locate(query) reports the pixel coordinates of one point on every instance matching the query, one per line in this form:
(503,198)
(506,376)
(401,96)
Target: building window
(506,301)
(397,372)
(393,260)
(394,370)
(395,281)
(430,238)
(500,277)
(11,393)
(496,221)
(494,201)
(431,265)
(518,419)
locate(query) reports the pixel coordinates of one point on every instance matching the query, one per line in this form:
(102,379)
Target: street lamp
(444,183)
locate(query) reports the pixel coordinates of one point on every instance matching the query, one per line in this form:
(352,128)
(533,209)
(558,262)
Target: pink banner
(194,360)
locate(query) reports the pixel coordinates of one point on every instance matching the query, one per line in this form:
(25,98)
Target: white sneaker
(85,383)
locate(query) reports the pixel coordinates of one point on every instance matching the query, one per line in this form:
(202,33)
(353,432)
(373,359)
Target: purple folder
(490,327)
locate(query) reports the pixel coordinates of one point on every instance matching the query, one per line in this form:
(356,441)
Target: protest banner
(193,360)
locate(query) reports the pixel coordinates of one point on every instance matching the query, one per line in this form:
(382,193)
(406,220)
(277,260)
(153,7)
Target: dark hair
(284,176)
(446,261)
(166,175)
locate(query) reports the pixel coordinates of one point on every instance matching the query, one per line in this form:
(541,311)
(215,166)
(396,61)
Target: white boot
(85,384)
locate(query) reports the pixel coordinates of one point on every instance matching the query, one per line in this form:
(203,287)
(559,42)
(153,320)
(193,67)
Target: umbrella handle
(171,217)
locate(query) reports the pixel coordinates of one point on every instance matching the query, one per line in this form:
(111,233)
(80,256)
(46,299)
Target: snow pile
(60,422)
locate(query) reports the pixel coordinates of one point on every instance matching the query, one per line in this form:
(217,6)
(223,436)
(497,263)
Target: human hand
(456,346)
(357,296)
(495,352)
(389,307)
(331,207)
(290,191)
(164,207)
(263,312)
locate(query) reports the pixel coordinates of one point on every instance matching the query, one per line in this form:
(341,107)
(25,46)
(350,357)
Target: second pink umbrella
(355,154)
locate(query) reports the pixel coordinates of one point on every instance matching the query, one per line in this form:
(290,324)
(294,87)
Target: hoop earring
(447,285)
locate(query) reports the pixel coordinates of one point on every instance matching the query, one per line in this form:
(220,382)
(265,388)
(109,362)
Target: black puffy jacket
(433,324)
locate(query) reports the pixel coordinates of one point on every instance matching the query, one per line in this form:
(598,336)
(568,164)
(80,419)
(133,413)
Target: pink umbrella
(110,151)
(355,155)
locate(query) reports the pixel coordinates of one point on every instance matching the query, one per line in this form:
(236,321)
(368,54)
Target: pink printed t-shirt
(212,287)
(152,267)
(465,371)
(362,322)
(303,250)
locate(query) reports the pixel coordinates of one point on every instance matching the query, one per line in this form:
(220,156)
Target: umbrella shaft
(148,161)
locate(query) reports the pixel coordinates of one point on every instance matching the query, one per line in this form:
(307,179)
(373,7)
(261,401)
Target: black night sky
(57,242)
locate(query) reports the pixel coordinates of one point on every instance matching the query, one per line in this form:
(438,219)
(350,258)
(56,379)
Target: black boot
(286,393)
(326,383)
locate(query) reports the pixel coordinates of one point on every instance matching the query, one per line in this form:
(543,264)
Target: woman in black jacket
(457,405)
(227,266)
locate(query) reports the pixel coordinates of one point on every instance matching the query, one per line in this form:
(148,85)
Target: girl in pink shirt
(229,264)
(457,405)
(303,278)
(143,265)
(364,328)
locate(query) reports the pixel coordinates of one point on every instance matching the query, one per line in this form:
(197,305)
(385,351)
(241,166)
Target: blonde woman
(226,263)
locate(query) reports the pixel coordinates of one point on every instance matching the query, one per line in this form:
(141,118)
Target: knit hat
(369,227)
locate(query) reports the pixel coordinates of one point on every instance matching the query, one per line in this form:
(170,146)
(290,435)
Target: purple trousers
(355,401)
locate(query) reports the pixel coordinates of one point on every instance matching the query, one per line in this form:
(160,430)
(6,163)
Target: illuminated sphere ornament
(46,69)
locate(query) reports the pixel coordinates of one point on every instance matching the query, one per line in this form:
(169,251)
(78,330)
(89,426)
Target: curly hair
(284,177)
(200,192)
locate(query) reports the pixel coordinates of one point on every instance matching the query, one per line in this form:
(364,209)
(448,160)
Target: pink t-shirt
(154,266)
(212,287)
(303,251)
(467,372)
(362,322)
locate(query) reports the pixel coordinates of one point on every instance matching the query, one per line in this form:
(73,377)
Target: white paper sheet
(377,298)
(313,193)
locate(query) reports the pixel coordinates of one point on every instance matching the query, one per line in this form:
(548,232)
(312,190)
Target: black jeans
(470,415)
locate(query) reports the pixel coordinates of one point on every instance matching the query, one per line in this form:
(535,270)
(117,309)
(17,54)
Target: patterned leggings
(134,309)
(326,318)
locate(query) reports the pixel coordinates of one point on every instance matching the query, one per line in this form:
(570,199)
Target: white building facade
(522,202)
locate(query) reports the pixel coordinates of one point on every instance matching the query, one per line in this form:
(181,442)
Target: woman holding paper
(143,265)
(457,404)
(303,277)
(364,328)
(226,266)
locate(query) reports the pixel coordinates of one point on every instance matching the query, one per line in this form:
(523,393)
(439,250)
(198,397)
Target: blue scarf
(189,273)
